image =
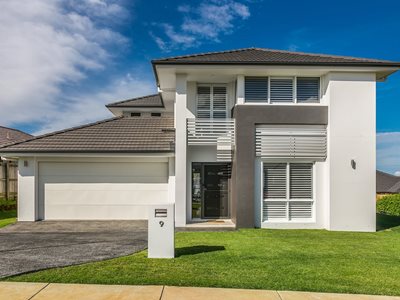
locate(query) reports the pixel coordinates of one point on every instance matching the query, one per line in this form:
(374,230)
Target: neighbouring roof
(10,135)
(263,56)
(116,135)
(145,101)
(387,183)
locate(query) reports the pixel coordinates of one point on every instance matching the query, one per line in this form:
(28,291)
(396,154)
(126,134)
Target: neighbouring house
(10,135)
(387,184)
(8,168)
(265,138)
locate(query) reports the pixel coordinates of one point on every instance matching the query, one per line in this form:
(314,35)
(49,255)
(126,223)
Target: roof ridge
(15,129)
(61,131)
(395,176)
(203,54)
(132,99)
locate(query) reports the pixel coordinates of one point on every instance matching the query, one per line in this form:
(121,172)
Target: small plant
(389,205)
(7,204)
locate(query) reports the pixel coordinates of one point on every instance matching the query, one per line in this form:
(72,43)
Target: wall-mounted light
(25,163)
(353,164)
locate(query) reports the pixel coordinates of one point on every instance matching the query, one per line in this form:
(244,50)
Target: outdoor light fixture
(25,163)
(353,164)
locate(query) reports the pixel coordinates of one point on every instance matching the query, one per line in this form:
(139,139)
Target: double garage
(100,190)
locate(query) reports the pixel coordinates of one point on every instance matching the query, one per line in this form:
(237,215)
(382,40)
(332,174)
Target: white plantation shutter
(211,102)
(287,192)
(256,89)
(301,181)
(274,181)
(307,89)
(274,210)
(204,102)
(300,210)
(219,102)
(281,90)
(284,141)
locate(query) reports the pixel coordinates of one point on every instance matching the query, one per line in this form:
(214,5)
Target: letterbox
(161,231)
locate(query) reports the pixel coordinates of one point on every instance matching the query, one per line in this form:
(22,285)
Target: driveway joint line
(162,292)
(279,295)
(39,291)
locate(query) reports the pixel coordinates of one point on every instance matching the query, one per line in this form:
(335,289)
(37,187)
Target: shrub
(389,205)
(6,205)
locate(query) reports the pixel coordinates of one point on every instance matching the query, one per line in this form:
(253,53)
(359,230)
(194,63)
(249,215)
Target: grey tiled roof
(145,101)
(117,135)
(387,183)
(271,57)
(9,135)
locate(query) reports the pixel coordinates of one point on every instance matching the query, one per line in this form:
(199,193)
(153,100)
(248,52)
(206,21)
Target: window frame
(288,200)
(211,86)
(294,78)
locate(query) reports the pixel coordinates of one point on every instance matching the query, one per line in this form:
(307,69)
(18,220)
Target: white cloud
(388,151)
(46,46)
(204,22)
(89,107)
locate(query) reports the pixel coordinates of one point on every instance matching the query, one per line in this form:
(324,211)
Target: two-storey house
(264,138)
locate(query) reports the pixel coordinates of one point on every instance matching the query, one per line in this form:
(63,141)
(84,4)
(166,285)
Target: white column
(171,180)
(240,89)
(27,193)
(180,149)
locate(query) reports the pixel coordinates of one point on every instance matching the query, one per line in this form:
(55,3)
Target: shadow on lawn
(197,250)
(384,222)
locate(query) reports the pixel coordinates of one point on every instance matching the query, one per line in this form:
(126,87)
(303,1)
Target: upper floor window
(307,89)
(211,101)
(282,89)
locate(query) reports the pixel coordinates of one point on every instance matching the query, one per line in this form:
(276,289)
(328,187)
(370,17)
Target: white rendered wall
(351,134)
(27,193)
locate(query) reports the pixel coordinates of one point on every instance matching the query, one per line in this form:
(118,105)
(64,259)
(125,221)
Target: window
(136,114)
(307,89)
(256,89)
(282,89)
(156,114)
(211,101)
(287,192)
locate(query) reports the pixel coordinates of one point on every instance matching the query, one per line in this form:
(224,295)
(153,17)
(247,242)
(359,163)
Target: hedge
(6,205)
(389,205)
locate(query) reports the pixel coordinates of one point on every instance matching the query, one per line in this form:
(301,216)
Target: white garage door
(100,191)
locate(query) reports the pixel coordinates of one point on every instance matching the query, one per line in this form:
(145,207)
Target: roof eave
(25,153)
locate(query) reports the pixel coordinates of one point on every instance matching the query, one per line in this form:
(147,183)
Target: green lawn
(308,260)
(7,217)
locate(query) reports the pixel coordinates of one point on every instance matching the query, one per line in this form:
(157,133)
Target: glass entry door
(210,190)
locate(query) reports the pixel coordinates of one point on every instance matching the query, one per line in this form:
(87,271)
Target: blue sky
(61,61)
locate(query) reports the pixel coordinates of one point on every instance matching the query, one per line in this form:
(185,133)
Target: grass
(7,217)
(307,260)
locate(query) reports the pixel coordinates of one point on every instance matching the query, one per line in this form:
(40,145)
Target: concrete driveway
(32,246)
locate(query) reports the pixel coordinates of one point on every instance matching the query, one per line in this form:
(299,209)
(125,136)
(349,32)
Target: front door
(213,190)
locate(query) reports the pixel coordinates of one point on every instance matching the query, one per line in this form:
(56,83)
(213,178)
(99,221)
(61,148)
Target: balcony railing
(211,131)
